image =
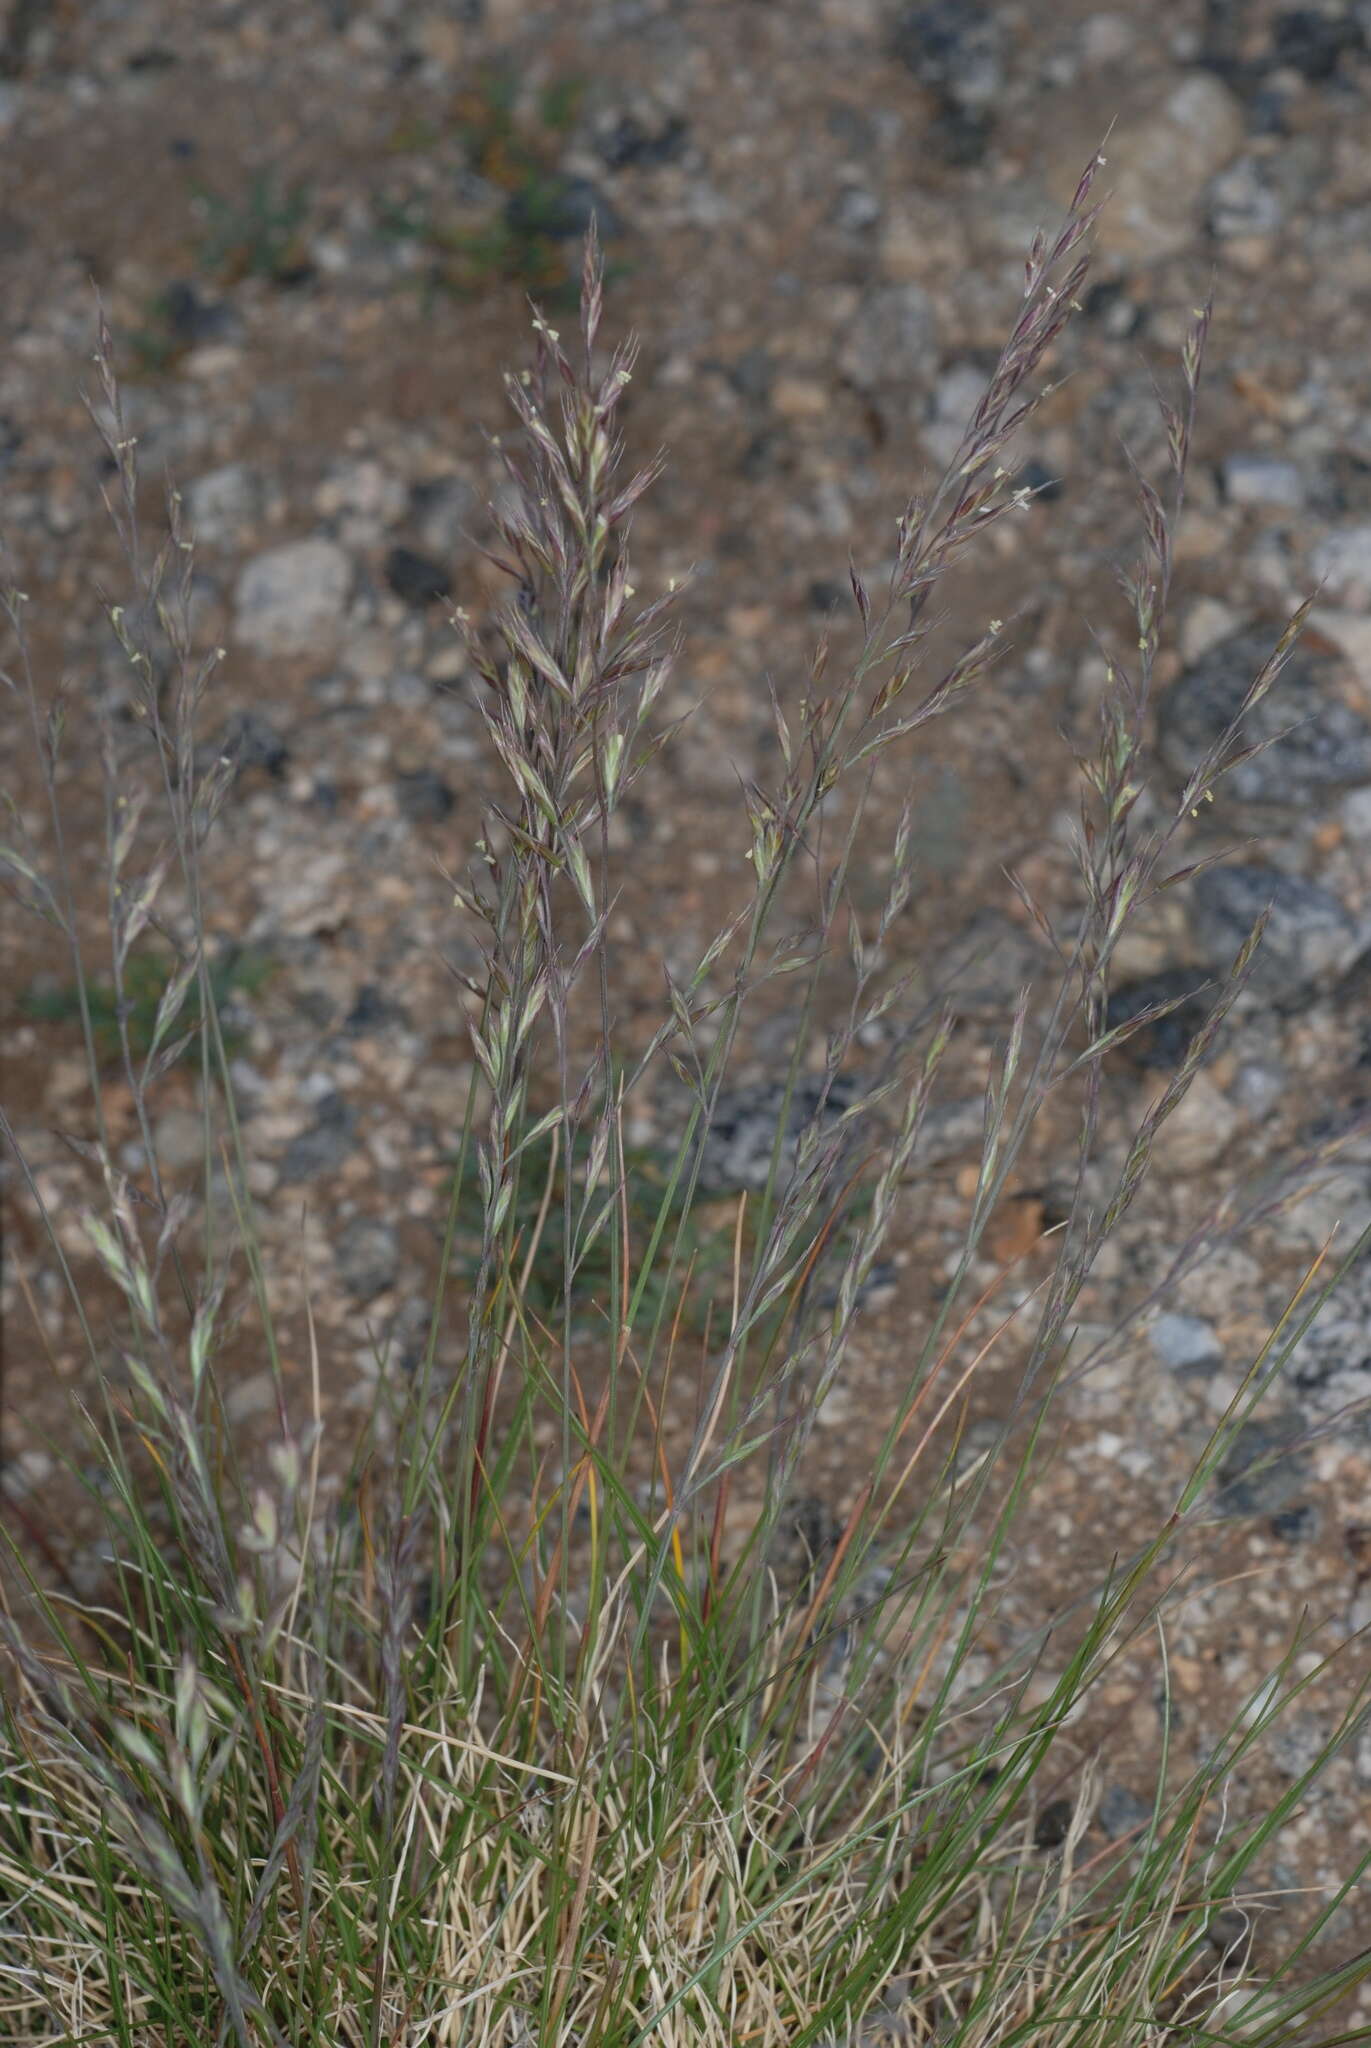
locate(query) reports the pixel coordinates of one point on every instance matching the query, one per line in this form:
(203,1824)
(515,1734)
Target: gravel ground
(313,230)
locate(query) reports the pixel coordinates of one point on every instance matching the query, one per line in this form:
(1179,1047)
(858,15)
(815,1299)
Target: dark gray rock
(224,503)
(1044,484)
(805,1537)
(1299,1524)
(856,209)
(961,135)
(987,965)
(1330,1367)
(1328,749)
(753,374)
(367,1252)
(1268,107)
(372,1013)
(441,509)
(950,1130)
(324,1145)
(424,797)
(1229,1931)
(1342,485)
(1053,1824)
(893,338)
(1119,316)
(249,741)
(1309,934)
(955,48)
(1164,1041)
(852,128)
(1314,41)
(637,140)
(1121,1812)
(1241,201)
(1265,1470)
(191,319)
(417,579)
(764,454)
(1342,564)
(738,1146)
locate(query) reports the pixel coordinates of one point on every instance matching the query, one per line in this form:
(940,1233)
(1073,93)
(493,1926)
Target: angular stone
(640,138)
(324,1145)
(893,339)
(249,741)
(291,600)
(367,1251)
(1243,202)
(1165,1040)
(1255,479)
(1309,934)
(424,796)
(1185,1343)
(417,579)
(1342,563)
(1271,1443)
(1163,165)
(223,504)
(985,968)
(742,1135)
(1327,746)
(1330,1367)
(442,509)
(956,49)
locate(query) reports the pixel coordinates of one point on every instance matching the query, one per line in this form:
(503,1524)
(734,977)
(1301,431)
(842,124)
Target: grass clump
(522,1735)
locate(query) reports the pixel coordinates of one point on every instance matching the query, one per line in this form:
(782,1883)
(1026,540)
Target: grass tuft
(535,1729)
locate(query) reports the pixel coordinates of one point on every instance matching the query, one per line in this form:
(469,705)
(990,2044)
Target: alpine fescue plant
(521,1736)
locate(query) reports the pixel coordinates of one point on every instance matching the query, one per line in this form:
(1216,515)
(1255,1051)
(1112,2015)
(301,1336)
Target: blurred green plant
(534,239)
(488,121)
(258,234)
(157,346)
(240,971)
